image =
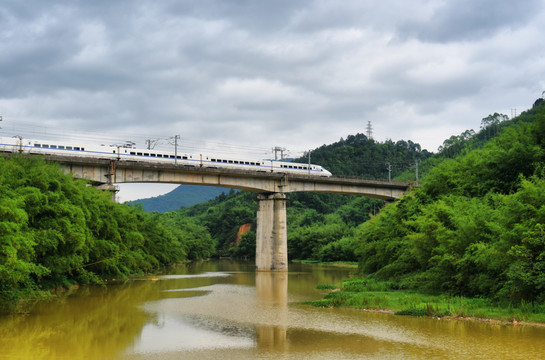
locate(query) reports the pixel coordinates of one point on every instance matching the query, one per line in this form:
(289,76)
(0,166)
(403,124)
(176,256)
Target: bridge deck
(122,171)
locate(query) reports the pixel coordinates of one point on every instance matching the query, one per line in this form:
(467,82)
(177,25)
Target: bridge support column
(108,187)
(272,236)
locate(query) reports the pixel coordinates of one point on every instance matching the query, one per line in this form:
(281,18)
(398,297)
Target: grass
(365,293)
(348,264)
(326,287)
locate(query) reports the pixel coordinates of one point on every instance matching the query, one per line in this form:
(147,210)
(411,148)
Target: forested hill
(358,155)
(476,227)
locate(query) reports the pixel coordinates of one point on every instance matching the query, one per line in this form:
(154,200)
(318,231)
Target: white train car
(113,152)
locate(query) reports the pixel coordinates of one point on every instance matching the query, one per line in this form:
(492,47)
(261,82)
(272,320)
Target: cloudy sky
(249,75)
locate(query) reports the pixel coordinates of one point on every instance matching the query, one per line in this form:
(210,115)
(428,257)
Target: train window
(236,162)
(172,156)
(212,159)
(184,157)
(230,161)
(69,148)
(37,145)
(146,154)
(224,161)
(133,153)
(139,153)
(53,147)
(76,148)
(247,163)
(45,145)
(82,149)
(61,147)
(178,157)
(153,155)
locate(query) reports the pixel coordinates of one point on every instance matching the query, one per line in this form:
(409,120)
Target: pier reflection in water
(272,295)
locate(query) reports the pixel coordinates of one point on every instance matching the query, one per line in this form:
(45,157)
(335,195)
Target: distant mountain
(182,196)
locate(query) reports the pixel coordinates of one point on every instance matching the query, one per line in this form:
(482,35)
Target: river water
(225,310)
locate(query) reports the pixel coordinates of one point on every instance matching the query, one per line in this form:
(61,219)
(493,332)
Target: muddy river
(225,310)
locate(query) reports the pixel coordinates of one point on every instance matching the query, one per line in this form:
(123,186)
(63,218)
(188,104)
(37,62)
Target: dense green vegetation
(370,294)
(358,155)
(475,228)
(55,231)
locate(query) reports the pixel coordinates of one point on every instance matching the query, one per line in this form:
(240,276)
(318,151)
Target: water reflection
(272,293)
(225,309)
(93,324)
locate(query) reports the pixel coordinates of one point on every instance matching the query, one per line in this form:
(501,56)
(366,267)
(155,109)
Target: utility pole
(152,143)
(369,130)
(309,162)
(278,149)
(176,137)
(416,163)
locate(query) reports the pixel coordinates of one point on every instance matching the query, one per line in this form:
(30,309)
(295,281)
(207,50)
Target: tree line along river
(225,309)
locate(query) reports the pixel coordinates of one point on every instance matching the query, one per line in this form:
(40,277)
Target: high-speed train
(127,153)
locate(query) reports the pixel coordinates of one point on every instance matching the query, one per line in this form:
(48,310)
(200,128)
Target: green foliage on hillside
(358,155)
(223,216)
(56,231)
(475,227)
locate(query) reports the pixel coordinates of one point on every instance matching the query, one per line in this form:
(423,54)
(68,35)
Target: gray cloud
(467,20)
(292,73)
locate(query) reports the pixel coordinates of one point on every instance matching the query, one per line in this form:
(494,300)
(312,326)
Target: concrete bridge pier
(108,187)
(271,234)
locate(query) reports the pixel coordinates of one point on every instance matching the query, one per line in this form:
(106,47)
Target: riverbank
(370,295)
(344,264)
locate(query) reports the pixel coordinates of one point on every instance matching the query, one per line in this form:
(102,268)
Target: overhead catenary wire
(27,129)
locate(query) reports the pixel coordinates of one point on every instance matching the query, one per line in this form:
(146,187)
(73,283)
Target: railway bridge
(272,190)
